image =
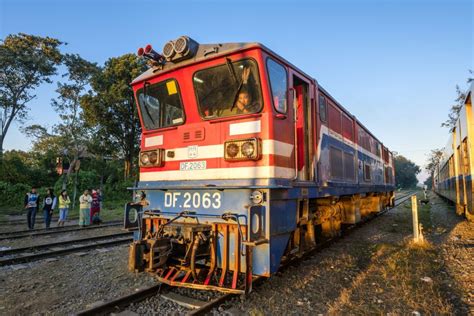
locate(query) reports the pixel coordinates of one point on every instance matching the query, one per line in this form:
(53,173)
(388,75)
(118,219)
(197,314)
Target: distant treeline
(96,134)
(20,171)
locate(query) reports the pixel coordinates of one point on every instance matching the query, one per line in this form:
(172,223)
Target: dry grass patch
(400,279)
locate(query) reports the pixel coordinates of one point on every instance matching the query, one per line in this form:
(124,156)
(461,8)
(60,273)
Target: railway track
(54,230)
(400,199)
(34,253)
(39,220)
(196,307)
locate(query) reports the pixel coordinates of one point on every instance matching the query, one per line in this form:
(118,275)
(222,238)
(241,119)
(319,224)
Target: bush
(19,171)
(28,168)
(13,194)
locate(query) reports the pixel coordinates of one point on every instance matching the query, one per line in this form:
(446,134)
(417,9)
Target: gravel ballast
(362,273)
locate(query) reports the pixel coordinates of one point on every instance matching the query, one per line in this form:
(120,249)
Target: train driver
(243,103)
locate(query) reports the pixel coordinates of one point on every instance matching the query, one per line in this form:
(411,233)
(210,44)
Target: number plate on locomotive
(193,200)
(192,165)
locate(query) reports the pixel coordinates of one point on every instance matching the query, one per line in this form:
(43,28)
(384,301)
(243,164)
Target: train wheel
(469,216)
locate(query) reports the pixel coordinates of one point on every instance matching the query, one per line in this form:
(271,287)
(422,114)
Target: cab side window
(278,85)
(323,112)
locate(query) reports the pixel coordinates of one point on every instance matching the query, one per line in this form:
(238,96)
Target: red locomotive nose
(140,52)
(148,49)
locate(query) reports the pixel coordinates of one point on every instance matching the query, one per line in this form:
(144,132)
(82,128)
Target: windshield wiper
(145,87)
(230,67)
(236,95)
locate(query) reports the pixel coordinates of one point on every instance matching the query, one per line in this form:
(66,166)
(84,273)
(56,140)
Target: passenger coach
(452,178)
(246,161)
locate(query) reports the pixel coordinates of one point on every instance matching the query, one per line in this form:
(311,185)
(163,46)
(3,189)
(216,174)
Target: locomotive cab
(242,165)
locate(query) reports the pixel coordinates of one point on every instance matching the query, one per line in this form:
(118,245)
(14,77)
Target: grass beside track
(399,275)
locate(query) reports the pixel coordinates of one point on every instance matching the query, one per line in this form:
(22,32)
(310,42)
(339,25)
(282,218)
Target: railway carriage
(452,178)
(232,191)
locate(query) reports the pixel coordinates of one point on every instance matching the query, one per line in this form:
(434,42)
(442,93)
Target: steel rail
(53,230)
(54,253)
(40,219)
(62,243)
(119,304)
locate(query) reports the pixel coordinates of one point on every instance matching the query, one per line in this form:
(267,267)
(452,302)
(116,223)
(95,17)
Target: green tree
(456,107)
(70,137)
(44,142)
(111,109)
(28,168)
(405,172)
(429,182)
(434,158)
(15,167)
(72,131)
(26,61)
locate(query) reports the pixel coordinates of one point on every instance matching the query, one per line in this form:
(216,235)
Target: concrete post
(414,213)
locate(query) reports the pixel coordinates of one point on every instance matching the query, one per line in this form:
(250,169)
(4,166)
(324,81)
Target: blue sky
(393,64)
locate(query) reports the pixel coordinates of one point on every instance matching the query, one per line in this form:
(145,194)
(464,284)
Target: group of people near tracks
(90,203)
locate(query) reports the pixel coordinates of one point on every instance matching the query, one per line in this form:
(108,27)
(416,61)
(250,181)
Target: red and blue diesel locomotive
(246,161)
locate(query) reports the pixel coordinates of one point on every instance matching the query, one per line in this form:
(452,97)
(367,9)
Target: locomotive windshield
(160,104)
(229,89)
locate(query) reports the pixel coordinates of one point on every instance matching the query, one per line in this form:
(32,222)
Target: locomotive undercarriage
(463,210)
(324,217)
(185,254)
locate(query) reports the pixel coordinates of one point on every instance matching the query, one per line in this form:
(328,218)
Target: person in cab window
(243,103)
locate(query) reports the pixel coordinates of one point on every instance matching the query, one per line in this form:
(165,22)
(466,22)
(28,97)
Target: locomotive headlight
(168,50)
(248,149)
(180,49)
(145,159)
(181,45)
(256,197)
(232,150)
(242,149)
(151,158)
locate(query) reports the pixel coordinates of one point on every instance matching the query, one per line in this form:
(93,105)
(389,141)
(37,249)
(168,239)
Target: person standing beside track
(49,203)
(64,202)
(31,204)
(95,208)
(85,201)
(99,194)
